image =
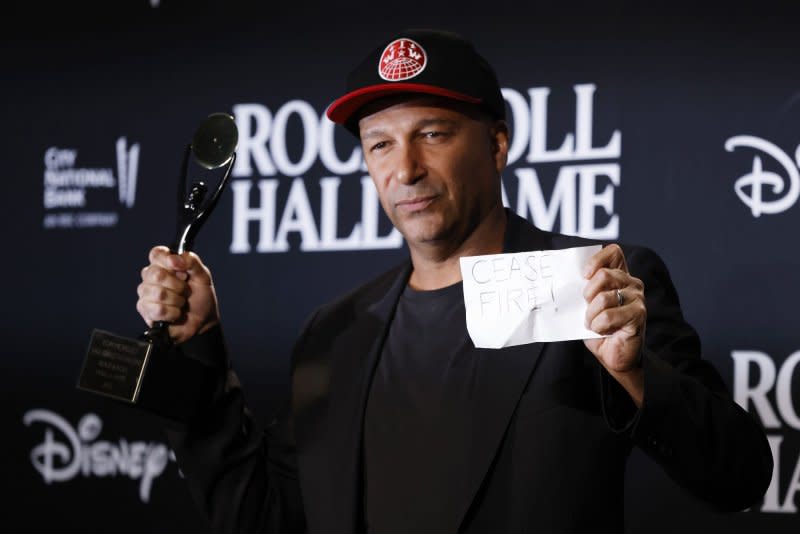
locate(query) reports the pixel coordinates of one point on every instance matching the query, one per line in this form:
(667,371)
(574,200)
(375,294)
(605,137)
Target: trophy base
(114,366)
(149,374)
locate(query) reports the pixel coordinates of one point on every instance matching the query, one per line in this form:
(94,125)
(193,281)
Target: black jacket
(554,430)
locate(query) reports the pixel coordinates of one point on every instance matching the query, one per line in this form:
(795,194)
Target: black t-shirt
(418,425)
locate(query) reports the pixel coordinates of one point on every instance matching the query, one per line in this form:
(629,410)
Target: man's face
(435,164)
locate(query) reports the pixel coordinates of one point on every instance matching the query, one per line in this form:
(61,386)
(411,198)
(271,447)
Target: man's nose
(409,168)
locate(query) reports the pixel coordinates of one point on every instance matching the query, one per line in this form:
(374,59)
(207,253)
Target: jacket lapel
(503,377)
(353,370)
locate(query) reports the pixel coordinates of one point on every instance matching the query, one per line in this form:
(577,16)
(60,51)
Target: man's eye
(435,135)
(378,146)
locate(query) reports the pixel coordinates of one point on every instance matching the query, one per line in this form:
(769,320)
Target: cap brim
(342,109)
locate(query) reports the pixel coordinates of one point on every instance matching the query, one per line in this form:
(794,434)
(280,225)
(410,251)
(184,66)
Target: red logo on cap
(401,60)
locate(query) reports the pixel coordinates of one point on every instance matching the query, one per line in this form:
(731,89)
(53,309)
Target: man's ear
(499,137)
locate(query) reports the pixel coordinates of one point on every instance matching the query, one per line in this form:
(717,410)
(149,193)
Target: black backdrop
(106,94)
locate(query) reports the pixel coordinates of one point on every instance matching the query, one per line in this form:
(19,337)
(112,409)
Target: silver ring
(620,298)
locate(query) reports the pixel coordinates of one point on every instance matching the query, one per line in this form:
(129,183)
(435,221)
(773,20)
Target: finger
(195,268)
(608,320)
(158,293)
(166,259)
(601,301)
(141,310)
(157,311)
(605,280)
(609,257)
(159,276)
(183,265)
(177,333)
(614,297)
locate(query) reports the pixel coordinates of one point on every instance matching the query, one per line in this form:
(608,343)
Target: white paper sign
(525,297)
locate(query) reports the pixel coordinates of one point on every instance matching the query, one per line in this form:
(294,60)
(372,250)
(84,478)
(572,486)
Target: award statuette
(116,366)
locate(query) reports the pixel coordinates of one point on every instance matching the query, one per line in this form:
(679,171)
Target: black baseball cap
(420,61)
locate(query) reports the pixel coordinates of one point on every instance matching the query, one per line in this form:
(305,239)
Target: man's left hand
(616,309)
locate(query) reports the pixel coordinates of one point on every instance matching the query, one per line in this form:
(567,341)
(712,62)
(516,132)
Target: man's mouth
(414,204)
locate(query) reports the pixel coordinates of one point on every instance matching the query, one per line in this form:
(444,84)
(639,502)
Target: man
(397,422)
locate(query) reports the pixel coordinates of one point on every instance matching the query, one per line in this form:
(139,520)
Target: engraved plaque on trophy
(116,366)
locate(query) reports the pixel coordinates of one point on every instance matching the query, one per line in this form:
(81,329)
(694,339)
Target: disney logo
(750,187)
(79,453)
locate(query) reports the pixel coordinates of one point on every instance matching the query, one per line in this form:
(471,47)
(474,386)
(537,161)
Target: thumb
(195,267)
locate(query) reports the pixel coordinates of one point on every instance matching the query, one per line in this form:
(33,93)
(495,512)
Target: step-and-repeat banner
(679,133)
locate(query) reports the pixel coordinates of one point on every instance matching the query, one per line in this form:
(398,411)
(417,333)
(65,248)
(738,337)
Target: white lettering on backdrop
(290,141)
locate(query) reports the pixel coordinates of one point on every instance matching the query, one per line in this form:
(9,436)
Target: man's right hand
(177,289)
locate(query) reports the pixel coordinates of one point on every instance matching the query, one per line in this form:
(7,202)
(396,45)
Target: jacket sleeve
(241,474)
(687,423)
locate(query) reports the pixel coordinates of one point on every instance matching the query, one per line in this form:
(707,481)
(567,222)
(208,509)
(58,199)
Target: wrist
(208,326)
(632,381)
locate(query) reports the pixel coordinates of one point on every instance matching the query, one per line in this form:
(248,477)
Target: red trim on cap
(343,108)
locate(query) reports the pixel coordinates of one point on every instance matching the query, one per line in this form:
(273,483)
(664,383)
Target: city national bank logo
(761,190)
(66,452)
(562,175)
(72,194)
